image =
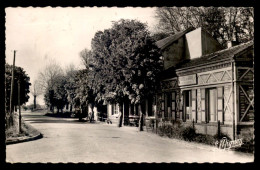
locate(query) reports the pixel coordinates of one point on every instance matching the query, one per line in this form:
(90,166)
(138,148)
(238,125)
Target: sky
(40,35)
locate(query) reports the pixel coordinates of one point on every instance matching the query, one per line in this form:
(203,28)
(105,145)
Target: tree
(84,88)
(128,61)
(70,85)
(19,74)
(224,24)
(48,80)
(47,77)
(81,91)
(60,93)
(160,35)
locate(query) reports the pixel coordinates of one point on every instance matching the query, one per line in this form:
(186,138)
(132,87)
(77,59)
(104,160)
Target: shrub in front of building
(248,143)
(188,133)
(178,130)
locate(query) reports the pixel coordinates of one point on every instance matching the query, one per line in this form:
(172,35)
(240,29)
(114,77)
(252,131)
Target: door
(212,105)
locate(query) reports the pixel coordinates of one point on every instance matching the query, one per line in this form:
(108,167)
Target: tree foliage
(19,74)
(70,85)
(47,76)
(52,81)
(128,61)
(224,24)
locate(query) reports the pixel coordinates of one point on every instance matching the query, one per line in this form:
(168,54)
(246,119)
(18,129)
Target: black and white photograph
(170,84)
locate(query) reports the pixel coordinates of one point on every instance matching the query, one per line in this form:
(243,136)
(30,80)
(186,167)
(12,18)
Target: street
(67,140)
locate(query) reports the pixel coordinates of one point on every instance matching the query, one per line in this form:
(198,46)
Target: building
(203,84)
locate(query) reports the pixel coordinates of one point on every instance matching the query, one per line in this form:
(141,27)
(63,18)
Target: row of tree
(120,68)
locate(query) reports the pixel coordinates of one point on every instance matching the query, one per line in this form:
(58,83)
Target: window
(112,109)
(116,109)
(162,105)
(212,105)
(173,105)
(187,105)
(167,105)
(151,106)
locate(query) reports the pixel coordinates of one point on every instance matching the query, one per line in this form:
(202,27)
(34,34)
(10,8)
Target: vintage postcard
(133,84)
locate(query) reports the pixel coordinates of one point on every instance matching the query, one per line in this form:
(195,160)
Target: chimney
(200,42)
(229,44)
(232,43)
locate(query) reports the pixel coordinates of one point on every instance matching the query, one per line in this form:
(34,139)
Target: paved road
(67,140)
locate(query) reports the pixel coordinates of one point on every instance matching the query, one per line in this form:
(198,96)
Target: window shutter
(173,106)
(203,105)
(220,104)
(194,104)
(163,105)
(112,105)
(181,105)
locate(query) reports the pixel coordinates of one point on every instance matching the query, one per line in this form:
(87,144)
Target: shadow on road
(76,121)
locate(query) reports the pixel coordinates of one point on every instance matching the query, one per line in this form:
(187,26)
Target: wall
(174,53)
(211,129)
(209,44)
(199,42)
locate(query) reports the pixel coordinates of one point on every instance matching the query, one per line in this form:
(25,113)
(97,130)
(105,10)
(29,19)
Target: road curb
(23,139)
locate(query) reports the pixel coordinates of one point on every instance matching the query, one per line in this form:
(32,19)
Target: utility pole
(12,89)
(19,98)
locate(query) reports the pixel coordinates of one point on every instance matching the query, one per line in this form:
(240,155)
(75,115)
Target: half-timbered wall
(245,77)
(228,104)
(214,77)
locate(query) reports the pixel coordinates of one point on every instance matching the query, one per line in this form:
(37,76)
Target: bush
(188,133)
(165,130)
(221,136)
(207,139)
(177,130)
(248,143)
(25,107)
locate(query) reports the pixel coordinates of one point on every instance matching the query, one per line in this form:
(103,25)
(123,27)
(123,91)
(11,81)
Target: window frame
(207,100)
(189,94)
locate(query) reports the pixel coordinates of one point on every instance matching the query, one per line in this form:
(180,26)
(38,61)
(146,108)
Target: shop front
(211,93)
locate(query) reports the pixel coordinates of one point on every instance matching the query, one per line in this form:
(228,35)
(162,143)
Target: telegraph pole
(19,98)
(12,89)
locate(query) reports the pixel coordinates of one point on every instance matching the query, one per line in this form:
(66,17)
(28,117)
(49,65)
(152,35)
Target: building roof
(225,54)
(169,40)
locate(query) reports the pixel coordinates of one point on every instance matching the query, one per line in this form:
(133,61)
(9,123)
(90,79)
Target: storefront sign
(188,80)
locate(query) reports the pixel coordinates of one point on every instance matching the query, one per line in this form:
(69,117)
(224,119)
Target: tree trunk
(92,113)
(87,115)
(141,121)
(70,108)
(34,102)
(80,113)
(121,112)
(51,108)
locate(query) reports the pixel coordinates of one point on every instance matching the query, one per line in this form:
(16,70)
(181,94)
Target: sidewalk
(30,134)
(197,145)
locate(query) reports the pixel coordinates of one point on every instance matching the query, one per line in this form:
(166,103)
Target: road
(67,140)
